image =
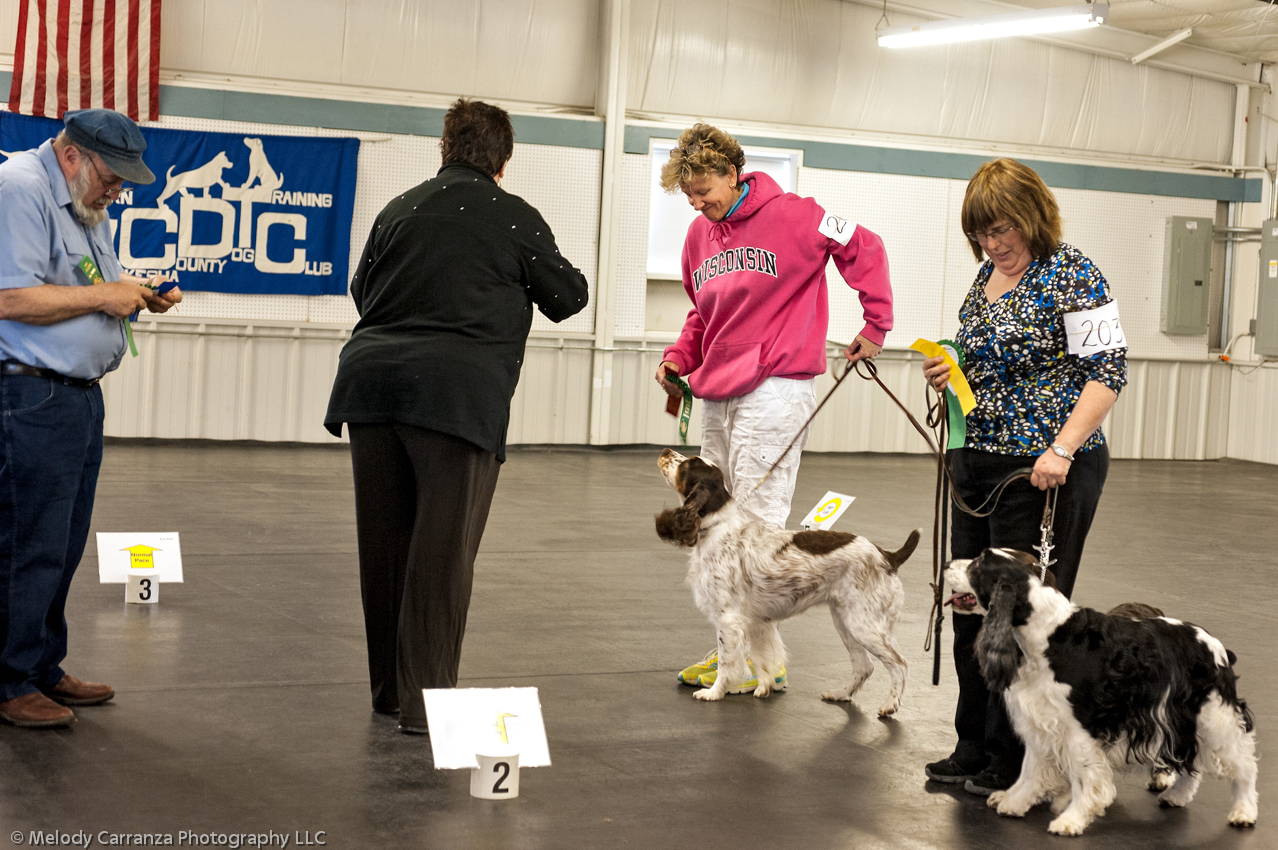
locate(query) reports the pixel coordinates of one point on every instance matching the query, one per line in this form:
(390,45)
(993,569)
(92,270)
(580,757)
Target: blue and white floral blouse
(1025,380)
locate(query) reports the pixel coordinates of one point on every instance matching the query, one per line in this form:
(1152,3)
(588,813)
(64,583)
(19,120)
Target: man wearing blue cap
(64,299)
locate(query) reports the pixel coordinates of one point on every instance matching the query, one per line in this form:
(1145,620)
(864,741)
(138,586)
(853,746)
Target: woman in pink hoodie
(754,341)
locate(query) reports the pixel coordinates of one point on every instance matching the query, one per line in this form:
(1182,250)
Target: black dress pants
(421,503)
(984,729)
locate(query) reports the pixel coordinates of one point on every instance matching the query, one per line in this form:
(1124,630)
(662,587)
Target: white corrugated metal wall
(238,367)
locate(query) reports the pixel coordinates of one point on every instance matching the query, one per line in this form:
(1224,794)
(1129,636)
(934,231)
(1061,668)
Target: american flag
(75,54)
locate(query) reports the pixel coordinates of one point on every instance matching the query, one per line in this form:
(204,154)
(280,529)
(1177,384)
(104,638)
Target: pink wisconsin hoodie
(757,284)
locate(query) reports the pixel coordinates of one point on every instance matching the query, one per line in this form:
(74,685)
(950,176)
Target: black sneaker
(988,781)
(950,772)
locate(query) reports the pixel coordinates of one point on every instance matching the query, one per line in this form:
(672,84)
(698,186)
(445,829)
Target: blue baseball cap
(112,136)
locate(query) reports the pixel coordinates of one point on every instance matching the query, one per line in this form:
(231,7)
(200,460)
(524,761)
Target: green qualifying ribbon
(685,412)
(954,408)
(94,275)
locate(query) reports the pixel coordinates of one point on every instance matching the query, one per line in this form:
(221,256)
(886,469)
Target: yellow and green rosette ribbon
(959,399)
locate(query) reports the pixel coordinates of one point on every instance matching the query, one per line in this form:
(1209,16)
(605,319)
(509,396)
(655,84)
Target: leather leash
(939,422)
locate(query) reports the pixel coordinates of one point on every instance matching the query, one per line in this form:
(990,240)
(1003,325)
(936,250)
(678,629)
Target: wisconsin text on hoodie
(735,259)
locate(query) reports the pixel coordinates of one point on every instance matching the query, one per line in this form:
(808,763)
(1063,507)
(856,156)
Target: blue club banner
(229,212)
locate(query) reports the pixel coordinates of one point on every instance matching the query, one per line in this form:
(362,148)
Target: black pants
(421,503)
(984,730)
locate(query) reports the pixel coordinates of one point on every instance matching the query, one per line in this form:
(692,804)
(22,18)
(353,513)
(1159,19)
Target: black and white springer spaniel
(748,576)
(1084,687)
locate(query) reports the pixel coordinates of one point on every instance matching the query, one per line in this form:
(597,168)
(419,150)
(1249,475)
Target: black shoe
(950,772)
(414,727)
(988,781)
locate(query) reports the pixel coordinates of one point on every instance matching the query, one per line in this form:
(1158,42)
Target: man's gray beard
(79,186)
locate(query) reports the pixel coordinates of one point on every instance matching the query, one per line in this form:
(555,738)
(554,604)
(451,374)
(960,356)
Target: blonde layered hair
(1006,190)
(702,150)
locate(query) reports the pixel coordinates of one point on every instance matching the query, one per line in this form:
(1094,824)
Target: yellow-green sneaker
(692,675)
(746,687)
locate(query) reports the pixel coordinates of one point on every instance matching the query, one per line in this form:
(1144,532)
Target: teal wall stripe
(364,117)
(961,167)
(576,133)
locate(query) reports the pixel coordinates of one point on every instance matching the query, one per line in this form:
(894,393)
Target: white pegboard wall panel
(331,309)
(1123,235)
(632,257)
(563,184)
(388,165)
(909,214)
(227,305)
(961,264)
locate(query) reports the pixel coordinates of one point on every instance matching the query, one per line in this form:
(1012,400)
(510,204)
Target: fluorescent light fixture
(1029,22)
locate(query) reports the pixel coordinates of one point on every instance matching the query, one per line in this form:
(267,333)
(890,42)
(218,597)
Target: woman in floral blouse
(1041,395)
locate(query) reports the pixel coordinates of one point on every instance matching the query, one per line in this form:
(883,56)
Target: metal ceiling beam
(1163,45)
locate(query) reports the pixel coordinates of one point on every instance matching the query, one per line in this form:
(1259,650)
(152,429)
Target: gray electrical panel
(1186,275)
(1267,292)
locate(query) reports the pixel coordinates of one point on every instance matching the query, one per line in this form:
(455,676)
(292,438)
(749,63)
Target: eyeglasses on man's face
(998,231)
(115,185)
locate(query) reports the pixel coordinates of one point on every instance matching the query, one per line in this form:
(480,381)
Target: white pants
(744,435)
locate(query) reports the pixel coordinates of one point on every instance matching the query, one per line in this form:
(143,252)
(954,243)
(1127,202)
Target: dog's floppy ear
(679,525)
(682,524)
(996,648)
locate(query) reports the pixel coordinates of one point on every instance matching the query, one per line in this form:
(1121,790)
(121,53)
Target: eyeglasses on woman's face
(998,231)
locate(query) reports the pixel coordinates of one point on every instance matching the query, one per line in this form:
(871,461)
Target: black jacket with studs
(445,292)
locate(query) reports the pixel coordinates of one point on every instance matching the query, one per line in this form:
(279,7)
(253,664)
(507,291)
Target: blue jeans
(50,451)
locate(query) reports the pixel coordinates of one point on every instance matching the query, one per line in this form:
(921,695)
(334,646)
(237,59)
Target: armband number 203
(1093,331)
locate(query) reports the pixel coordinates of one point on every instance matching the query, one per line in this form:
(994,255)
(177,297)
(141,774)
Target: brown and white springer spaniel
(747,576)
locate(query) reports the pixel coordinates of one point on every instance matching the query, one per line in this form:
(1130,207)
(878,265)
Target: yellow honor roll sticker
(827,511)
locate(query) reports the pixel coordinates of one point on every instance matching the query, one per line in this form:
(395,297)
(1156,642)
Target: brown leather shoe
(72,691)
(35,710)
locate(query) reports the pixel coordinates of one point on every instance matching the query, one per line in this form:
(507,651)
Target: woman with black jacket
(445,293)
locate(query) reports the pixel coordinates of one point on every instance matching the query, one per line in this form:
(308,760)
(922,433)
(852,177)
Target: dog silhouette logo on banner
(252,214)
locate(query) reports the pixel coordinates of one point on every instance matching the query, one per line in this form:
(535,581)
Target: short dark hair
(478,134)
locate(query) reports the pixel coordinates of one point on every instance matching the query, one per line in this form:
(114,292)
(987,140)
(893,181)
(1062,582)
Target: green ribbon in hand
(94,274)
(954,410)
(685,412)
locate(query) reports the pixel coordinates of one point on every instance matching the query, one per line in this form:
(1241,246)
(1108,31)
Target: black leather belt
(13,367)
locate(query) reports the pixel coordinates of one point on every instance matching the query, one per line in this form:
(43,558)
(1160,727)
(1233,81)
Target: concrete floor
(242,704)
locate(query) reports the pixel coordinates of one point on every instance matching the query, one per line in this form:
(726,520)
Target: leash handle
(682,409)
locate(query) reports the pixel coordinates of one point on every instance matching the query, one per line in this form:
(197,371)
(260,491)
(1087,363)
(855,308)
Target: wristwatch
(1060,450)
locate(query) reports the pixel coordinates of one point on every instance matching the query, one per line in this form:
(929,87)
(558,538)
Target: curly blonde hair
(702,150)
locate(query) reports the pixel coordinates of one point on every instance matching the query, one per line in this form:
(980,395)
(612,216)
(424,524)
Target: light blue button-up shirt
(41,241)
